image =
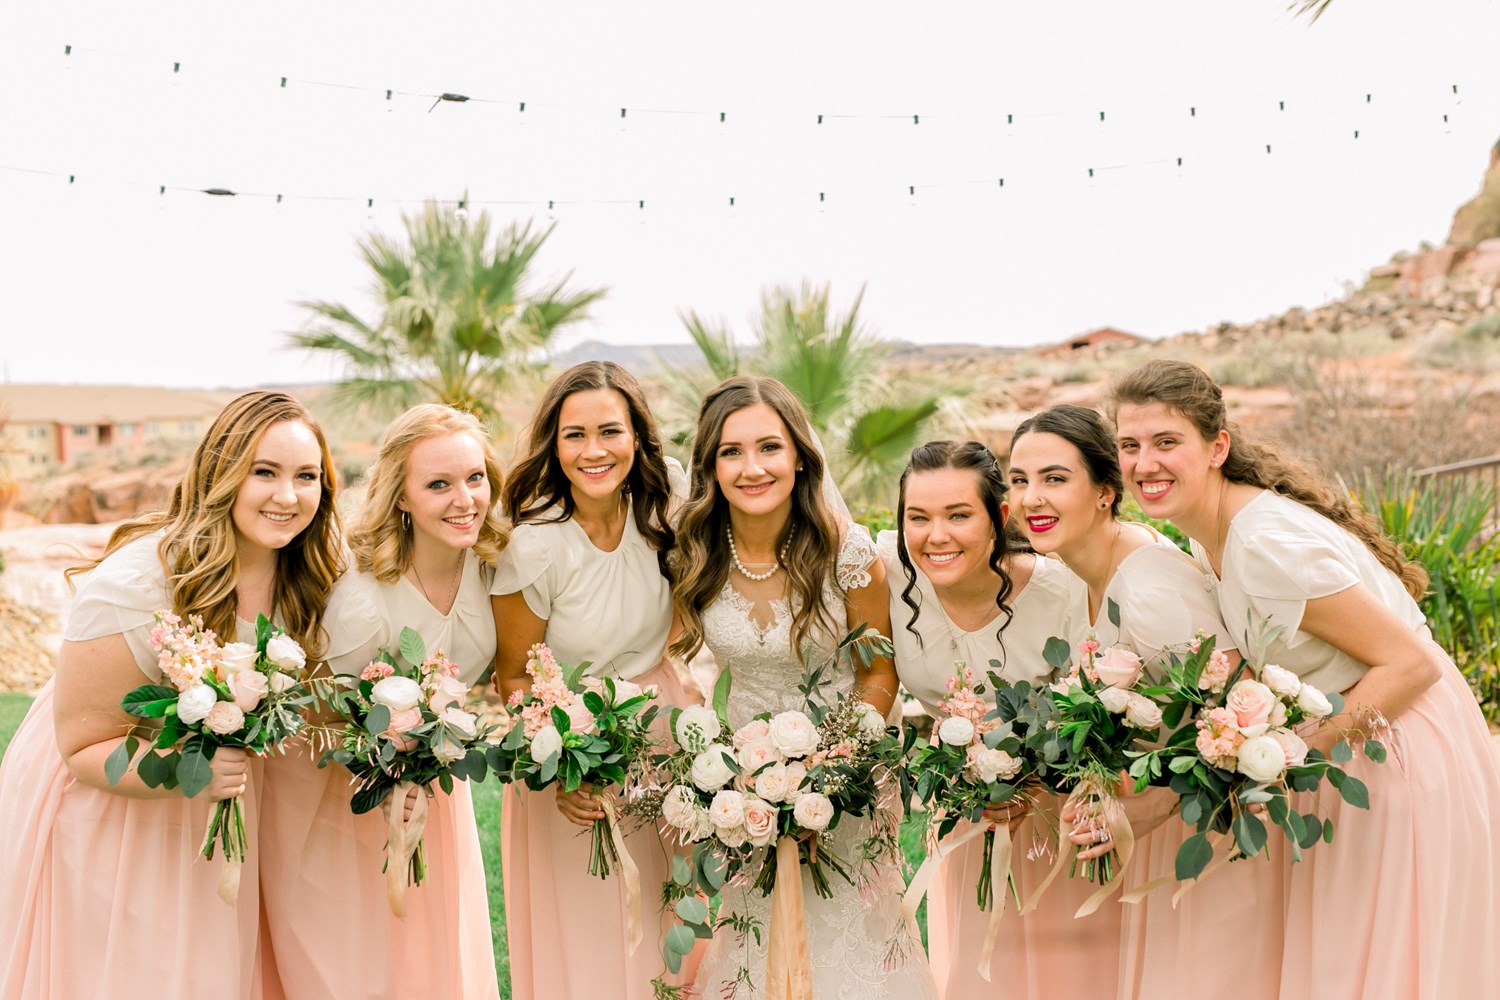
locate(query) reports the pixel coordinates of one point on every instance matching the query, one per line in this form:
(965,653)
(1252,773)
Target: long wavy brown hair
(991,484)
(198,547)
(381,545)
(700,563)
(1189,390)
(539,490)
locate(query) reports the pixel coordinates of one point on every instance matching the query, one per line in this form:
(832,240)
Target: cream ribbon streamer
(403,838)
(1123,839)
(788,967)
(630,874)
(1119,832)
(999,879)
(229,875)
(1140,892)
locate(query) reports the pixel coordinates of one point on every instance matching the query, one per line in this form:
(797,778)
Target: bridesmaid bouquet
(570,729)
(783,780)
(229,695)
(1234,746)
(405,728)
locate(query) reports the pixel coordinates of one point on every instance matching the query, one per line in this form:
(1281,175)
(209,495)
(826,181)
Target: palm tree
(1313,7)
(833,364)
(460,320)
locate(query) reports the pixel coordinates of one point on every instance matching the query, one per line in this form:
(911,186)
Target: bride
(769,574)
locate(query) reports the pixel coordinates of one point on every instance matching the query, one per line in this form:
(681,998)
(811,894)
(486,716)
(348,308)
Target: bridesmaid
(585,573)
(102,891)
(1068,484)
(424,543)
(965,587)
(1403,903)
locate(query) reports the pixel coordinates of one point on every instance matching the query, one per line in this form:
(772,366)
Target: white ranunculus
(1314,702)
(794,734)
(772,784)
(1142,712)
(283,651)
(448,751)
(1292,745)
(461,722)
(710,771)
(194,704)
(995,765)
(813,811)
(397,693)
(871,722)
(1280,680)
(678,805)
(697,727)
(1261,758)
(956,731)
(1114,699)
(281,682)
(545,744)
(727,809)
(237,656)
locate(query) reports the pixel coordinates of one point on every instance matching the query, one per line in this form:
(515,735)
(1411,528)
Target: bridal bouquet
(405,728)
(570,729)
(785,780)
(229,695)
(1234,745)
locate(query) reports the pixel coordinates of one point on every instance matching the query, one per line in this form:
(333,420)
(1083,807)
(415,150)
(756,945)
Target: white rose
(448,752)
(1314,702)
(727,810)
(283,651)
(772,784)
(794,734)
(755,729)
(1262,759)
(796,773)
(1114,699)
(1142,712)
(871,722)
(461,722)
(678,805)
(697,727)
(397,693)
(760,821)
(710,772)
(754,756)
(1117,667)
(956,731)
(281,683)
(237,656)
(994,765)
(194,704)
(1069,685)
(625,690)
(545,744)
(1280,680)
(813,811)
(736,836)
(1292,745)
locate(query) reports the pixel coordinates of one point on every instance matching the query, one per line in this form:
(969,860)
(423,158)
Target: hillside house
(1104,337)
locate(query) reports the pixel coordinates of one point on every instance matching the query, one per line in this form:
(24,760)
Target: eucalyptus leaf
(1113,609)
(1354,792)
(692,910)
(413,649)
(1193,856)
(118,761)
(369,797)
(154,769)
(193,772)
(680,940)
(1058,653)
(1342,752)
(377,720)
(1249,833)
(1375,750)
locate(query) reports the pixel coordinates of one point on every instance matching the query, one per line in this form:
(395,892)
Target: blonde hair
(1188,390)
(700,562)
(198,547)
(380,543)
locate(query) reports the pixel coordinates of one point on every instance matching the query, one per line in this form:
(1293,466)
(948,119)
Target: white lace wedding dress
(859,945)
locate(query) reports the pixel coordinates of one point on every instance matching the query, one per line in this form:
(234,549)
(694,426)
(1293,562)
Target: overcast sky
(106,280)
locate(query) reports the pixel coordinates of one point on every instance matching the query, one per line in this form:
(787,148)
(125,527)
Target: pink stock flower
(1219,738)
(1215,672)
(376,671)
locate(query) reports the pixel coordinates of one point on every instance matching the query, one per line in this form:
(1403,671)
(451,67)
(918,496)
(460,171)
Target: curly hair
(379,543)
(700,562)
(198,547)
(1188,390)
(991,484)
(538,483)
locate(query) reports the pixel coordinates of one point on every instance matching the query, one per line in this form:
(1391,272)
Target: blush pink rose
(248,688)
(447,692)
(760,821)
(224,718)
(401,722)
(1252,703)
(754,756)
(1118,667)
(751,732)
(580,719)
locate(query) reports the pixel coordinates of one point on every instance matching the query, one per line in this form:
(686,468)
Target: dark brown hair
(1085,430)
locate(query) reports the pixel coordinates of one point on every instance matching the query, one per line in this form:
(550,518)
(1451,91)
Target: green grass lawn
(487,798)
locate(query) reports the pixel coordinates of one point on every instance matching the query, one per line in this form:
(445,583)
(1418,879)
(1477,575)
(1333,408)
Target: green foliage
(1131,511)
(459,320)
(1446,524)
(876,519)
(832,364)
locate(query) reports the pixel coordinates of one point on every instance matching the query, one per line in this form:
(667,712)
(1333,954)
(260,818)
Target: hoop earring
(405,521)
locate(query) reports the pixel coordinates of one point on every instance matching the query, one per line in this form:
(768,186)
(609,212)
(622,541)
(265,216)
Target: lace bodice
(752,638)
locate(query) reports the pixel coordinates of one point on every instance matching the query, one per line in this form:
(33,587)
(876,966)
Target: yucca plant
(1447,526)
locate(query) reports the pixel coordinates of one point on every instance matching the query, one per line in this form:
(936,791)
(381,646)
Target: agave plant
(461,319)
(832,363)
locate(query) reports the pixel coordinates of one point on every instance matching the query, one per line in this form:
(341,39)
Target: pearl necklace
(734,557)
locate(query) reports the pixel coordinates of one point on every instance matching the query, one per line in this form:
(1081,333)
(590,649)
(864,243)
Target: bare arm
(517,629)
(91,679)
(871,604)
